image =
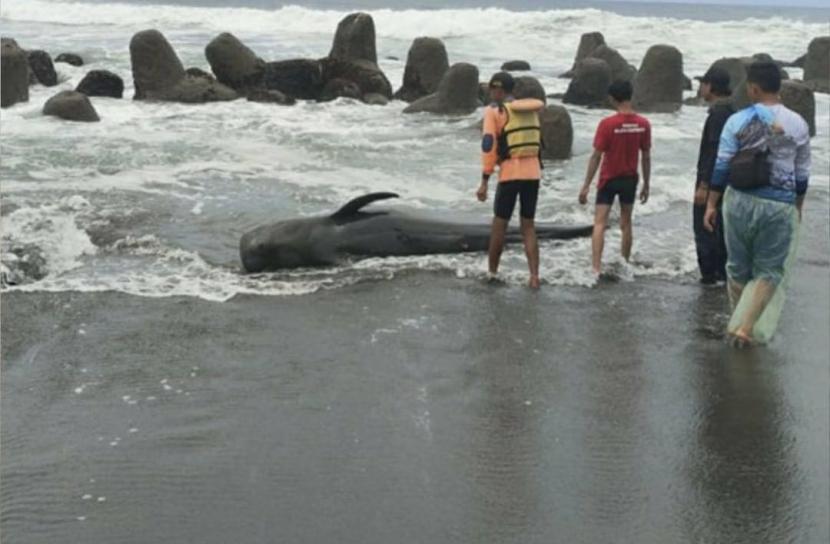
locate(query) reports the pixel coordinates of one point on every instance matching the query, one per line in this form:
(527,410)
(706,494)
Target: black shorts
(625,186)
(506,192)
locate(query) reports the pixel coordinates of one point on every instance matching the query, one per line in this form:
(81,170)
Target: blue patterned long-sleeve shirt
(784,133)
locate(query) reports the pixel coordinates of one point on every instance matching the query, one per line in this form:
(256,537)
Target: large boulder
(484,92)
(355,39)
(40,65)
(197,90)
(740,98)
(101,83)
(620,68)
(766,57)
(800,98)
(587,44)
(819,85)
(340,88)
(14,73)
(658,86)
(798,63)
(234,64)
(529,87)
(353,57)
(297,78)
(817,64)
(198,72)
(426,64)
(158,74)
(589,87)
(70,58)
(457,93)
(72,106)
(270,97)
(156,67)
(516,66)
(735,67)
(366,75)
(738,69)
(557,133)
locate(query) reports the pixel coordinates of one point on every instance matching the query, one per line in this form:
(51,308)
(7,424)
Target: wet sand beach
(422,409)
(151,392)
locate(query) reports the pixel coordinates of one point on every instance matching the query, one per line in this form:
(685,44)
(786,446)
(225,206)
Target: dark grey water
(424,409)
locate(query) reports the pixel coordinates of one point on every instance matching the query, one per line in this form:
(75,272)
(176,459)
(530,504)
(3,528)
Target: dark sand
(422,409)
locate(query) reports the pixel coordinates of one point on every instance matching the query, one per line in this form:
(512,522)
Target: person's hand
(644,194)
(583,195)
(481,194)
(710,218)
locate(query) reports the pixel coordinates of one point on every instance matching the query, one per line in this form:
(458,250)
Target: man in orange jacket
(512,141)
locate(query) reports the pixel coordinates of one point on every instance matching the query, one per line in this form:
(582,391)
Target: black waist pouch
(749,169)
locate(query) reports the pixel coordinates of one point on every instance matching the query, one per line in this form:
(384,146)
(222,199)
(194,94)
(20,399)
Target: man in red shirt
(619,142)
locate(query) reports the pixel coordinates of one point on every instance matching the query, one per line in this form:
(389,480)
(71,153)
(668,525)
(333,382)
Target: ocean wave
(549,38)
(396,23)
(146,265)
(44,241)
(152,200)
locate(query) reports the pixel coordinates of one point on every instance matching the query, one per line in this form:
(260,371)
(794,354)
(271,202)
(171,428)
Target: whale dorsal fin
(354,205)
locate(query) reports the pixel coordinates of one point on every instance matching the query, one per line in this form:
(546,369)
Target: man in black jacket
(711,249)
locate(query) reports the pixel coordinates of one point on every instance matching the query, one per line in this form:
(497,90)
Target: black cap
(502,80)
(717,77)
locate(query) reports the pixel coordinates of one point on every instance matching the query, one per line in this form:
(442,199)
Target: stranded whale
(353,233)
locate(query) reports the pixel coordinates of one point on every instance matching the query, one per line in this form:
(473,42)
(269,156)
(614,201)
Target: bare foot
(534,282)
(740,339)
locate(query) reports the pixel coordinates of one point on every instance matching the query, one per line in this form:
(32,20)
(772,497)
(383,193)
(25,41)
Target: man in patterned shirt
(763,165)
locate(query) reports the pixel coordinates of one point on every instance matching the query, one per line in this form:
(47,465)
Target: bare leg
(760,298)
(626,211)
(531,251)
(497,234)
(598,240)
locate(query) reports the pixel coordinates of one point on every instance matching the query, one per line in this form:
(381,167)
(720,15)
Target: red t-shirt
(621,137)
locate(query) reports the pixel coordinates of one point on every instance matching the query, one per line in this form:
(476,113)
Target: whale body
(351,233)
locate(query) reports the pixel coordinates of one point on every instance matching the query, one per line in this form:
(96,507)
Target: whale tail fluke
(353,206)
